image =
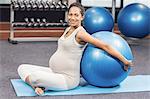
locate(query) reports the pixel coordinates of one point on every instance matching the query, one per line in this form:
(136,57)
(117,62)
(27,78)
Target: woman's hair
(77,4)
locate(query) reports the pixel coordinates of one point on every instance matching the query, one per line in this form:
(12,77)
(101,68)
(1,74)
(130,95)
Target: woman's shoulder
(67,28)
(82,29)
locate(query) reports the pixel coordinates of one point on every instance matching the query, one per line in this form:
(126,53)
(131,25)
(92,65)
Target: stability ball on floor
(98,19)
(99,68)
(134,20)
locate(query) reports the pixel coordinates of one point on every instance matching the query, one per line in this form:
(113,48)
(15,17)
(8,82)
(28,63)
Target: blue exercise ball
(98,19)
(134,20)
(101,69)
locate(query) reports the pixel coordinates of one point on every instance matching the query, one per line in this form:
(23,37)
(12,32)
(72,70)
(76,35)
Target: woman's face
(74,17)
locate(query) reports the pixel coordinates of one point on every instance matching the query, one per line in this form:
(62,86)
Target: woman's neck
(74,27)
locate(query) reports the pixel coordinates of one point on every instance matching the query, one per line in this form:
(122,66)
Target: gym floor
(11,56)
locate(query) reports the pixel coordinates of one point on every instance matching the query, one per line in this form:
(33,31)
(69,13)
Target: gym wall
(52,16)
(5,16)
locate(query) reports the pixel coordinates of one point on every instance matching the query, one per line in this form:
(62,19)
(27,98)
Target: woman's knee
(23,71)
(21,67)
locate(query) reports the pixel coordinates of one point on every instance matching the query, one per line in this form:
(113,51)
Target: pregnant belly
(59,61)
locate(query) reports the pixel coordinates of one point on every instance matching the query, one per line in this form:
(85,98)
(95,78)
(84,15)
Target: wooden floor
(29,32)
(36,32)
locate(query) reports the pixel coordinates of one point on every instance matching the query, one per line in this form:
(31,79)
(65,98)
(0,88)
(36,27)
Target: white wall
(146,2)
(5,1)
(100,3)
(108,3)
(71,1)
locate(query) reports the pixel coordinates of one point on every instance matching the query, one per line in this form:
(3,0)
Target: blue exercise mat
(130,84)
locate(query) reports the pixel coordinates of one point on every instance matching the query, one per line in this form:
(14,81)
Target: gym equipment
(98,19)
(15,5)
(19,24)
(101,69)
(27,5)
(22,6)
(45,5)
(28,22)
(134,20)
(43,22)
(49,3)
(32,21)
(38,21)
(39,5)
(131,84)
(19,19)
(53,5)
(64,5)
(58,5)
(33,5)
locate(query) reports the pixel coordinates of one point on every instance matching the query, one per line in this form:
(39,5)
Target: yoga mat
(130,84)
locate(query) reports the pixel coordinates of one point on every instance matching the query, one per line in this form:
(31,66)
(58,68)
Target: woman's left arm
(84,36)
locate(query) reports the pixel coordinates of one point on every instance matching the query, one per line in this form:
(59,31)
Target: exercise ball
(134,20)
(98,19)
(101,69)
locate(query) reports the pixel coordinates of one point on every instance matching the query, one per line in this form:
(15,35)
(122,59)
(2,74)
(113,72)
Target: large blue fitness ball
(134,20)
(98,19)
(99,68)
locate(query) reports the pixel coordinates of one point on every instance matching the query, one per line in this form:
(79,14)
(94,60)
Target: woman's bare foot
(39,91)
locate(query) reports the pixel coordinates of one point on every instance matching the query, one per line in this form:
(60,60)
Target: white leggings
(43,77)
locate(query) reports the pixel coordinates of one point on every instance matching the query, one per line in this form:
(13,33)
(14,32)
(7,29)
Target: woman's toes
(39,91)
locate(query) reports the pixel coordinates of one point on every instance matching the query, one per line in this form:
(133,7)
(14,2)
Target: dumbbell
(53,5)
(27,4)
(45,5)
(33,5)
(38,21)
(15,4)
(20,5)
(34,23)
(58,5)
(48,3)
(28,23)
(12,1)
(39,4)
(64,4)
(43,22)
(63,24)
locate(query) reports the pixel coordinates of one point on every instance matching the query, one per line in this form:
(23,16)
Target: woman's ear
(82,17)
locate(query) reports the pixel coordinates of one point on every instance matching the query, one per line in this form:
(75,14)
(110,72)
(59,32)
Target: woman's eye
(76,15)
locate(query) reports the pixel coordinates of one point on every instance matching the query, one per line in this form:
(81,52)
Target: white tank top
(66,59)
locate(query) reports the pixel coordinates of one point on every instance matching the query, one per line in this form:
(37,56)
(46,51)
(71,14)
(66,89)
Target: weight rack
(33,7)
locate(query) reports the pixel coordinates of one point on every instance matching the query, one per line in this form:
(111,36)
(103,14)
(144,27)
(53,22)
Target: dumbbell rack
(14,40)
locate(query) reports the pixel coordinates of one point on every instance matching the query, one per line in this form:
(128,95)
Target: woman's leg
(25,71)
(38,76)
(49,80)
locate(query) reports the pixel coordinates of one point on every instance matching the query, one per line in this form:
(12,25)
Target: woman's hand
(128,64)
